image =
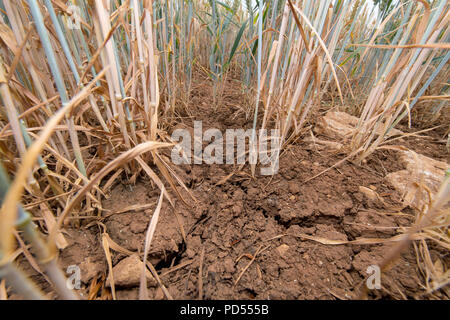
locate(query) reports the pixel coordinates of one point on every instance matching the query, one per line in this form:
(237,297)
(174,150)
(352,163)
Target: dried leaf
(143,292)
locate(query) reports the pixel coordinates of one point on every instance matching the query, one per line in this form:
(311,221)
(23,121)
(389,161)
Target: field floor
(263,238)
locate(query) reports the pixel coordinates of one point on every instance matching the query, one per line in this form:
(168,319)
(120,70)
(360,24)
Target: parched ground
(259,238)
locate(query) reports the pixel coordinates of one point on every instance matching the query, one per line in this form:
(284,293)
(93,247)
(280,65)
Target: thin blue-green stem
(258,89)
(422,90)
(32,235)
(45,40)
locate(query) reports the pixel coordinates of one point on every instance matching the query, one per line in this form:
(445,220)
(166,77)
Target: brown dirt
(231,221)
(430,144)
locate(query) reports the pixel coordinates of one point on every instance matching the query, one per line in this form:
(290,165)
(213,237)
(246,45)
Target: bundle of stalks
(88,87)
(412,39)
(430,227)
(103,63)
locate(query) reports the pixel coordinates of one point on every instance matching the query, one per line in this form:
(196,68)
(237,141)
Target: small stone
(369,193)
(282,249)
(190,253)
(252,192)
(228,265)
(237,210)
(137,226)
(213,268)
(272,201)
(195,242)
(90,269)
(238,195)
(316,164)
(159,295)
(173,245)
(127,273)
(294,188)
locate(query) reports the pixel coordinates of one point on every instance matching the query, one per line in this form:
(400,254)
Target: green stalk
(19,281)
(32,235)
(113,78)
(11,110)
(65,46)
(141,62)
(258,89)
(45,40)
(15,26)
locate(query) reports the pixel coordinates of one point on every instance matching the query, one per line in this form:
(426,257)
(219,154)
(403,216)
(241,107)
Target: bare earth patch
(255,225)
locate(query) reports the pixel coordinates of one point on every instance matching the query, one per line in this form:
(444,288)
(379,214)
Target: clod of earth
(127,273)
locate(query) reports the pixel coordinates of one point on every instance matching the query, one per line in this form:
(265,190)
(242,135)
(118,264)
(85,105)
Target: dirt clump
(258,238)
